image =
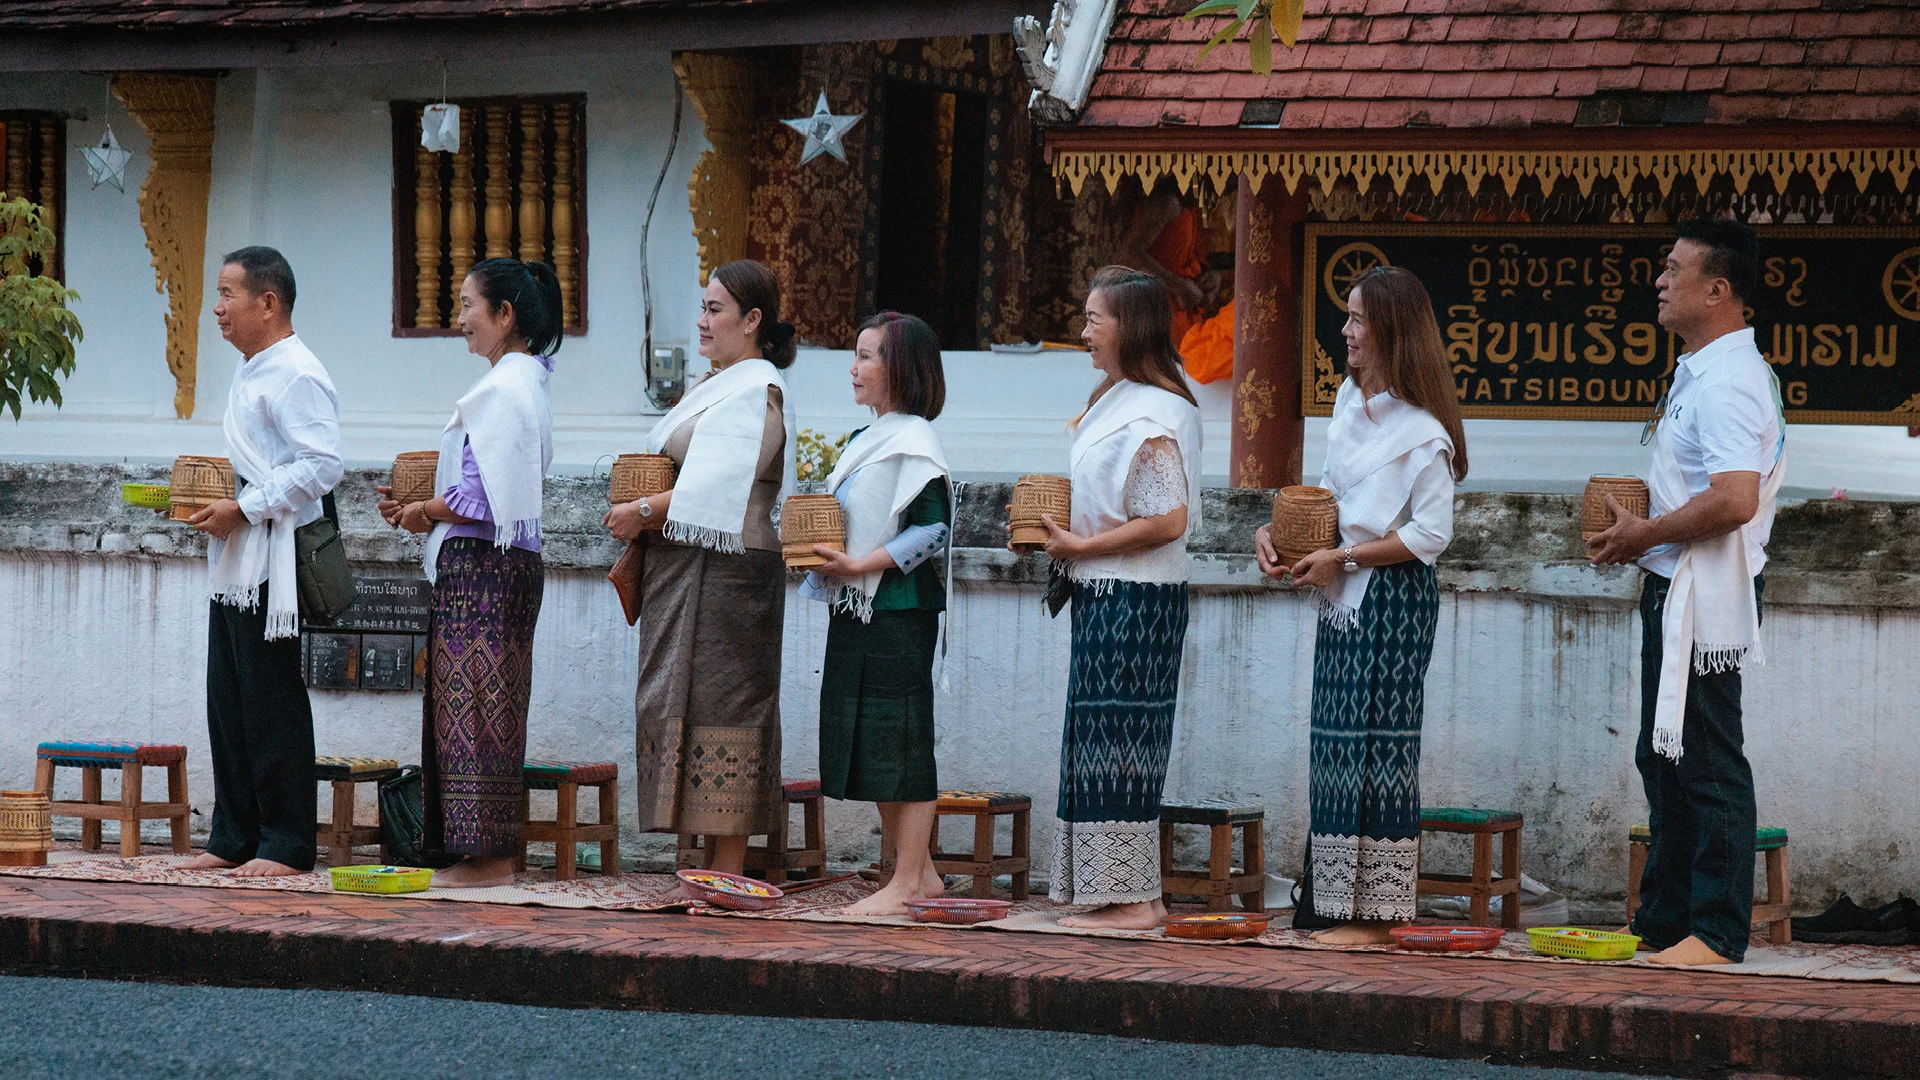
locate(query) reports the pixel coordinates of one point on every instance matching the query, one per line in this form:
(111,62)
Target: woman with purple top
(483,557)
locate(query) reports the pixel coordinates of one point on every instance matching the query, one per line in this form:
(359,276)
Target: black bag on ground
(403,821)
(1304,917)
(320,568)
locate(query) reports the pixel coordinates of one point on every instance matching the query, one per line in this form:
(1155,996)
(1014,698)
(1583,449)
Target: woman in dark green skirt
(876,688)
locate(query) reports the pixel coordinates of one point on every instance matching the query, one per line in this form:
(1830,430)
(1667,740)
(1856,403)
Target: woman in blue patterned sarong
(1394,451)
(1136,484)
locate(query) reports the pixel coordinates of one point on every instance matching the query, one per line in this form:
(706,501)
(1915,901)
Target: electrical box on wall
(667,376)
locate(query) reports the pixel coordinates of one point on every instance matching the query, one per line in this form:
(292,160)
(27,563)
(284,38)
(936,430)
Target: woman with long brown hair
(1394,451)
(1136,487)
(713,585)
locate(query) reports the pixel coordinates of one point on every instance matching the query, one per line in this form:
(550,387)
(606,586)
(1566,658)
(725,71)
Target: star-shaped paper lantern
(106,162)
(823,131)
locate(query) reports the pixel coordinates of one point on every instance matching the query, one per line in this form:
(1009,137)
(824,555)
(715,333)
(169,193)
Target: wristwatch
(1348,564)
(646,508)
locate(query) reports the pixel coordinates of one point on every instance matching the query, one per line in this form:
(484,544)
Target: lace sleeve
(1157,479)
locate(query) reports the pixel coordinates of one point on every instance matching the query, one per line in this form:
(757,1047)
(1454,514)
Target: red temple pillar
(1268,430)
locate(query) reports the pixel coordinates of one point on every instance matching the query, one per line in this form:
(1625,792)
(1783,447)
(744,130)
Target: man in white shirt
(1717,464)
(283,437)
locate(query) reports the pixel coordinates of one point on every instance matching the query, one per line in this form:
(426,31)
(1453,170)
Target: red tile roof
(173,14)
(1520,63)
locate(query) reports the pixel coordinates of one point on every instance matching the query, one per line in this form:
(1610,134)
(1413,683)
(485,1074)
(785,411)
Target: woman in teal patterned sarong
(1394,451)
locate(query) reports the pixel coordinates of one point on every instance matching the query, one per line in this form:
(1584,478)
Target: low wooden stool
(1774,913)
(986,807)
(1219,883)
(565,829)
(131,759)
(342,834)
(1479,887)
(810,856)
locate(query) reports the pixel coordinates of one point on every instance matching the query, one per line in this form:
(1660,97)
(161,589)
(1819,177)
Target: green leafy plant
(816,455)
(1266,20)
(37,332)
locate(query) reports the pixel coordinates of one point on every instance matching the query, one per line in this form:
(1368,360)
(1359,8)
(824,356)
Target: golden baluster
(499,219)
(426,236)
(533,158)
(49,213)
(460,205)
(16,177)
(563,186)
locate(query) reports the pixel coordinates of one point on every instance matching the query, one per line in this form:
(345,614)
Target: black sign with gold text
(1561,322)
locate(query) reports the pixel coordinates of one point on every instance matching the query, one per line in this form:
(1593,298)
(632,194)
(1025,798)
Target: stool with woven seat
(131,759)
(1479,887)
(1220,882)
(342,834)
(565,829)
(1774,912)
(983,865)
(773,860)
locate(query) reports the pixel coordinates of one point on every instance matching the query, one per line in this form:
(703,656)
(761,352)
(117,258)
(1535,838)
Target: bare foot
(892,900)
(206,861)
(1142,916)
(1367,933)
(1639,946)
(1690,953)
(475,873)
(264,868)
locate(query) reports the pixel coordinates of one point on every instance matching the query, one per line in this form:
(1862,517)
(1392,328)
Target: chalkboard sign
(333,660)
(1561,322)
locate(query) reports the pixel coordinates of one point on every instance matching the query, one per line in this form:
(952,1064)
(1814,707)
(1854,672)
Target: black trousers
(1699,876)
(261,728)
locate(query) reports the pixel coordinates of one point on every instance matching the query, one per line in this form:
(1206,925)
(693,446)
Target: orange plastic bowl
(1217,925)
(1447,938)
(730,890)
(958,910)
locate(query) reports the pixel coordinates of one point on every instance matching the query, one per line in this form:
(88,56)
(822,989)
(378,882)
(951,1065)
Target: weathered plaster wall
(1532,698)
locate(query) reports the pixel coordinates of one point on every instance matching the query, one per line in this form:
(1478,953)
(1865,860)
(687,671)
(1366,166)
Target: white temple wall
(1532,705)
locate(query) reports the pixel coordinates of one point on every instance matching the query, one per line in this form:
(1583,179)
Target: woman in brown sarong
(713,586)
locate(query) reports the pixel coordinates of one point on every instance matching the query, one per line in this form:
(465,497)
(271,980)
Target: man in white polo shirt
(1718,459)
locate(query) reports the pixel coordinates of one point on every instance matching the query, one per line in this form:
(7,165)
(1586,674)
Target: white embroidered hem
(1106,862)
(1360,878)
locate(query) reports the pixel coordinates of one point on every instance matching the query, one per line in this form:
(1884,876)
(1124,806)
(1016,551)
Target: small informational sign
(1562,322)
(386,662)
(333,660)
(399,604)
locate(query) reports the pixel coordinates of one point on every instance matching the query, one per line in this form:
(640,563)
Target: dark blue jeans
(1700,809)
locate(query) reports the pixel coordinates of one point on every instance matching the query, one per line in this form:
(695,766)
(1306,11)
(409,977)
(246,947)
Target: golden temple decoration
(499,213)
(49,194)
(533,208)
(1073,168)
(1254,396)
(426,237)
(720,191)
(950,53)
(13,180)
(177,113)
(460,207)
(563,252)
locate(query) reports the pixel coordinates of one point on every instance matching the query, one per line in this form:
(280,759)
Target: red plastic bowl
(729,890)
(1217,925)
(1447,938)
(958,910)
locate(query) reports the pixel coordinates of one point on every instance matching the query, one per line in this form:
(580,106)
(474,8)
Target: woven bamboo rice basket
(636,476)
(198,482)
(413,474)
(806,520)
(1305,520)
(1033,495)
(1628,491)
(26,828)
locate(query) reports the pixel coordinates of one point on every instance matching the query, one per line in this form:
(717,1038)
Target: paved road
(78,1029)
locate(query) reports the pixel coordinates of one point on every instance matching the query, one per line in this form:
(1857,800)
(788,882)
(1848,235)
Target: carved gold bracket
(1073,168)
(177,113)
(721,87)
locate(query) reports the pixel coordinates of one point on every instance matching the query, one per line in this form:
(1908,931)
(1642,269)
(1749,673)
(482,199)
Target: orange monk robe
(1181,248)
(1208,348)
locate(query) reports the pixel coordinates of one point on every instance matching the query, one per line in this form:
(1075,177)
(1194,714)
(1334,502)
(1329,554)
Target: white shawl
(235,565)
(1104,443)
(507,417)
(1376,448)
(900,455)
(1711,615)
(716,480)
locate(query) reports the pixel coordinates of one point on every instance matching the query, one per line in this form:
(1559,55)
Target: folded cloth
(716,480)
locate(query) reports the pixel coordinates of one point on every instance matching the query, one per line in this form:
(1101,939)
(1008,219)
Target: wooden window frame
(405,117)
(36,157)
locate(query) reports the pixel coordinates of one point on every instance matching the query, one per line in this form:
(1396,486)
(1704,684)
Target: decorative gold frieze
(176,111)
(721,87)
(1073,168)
